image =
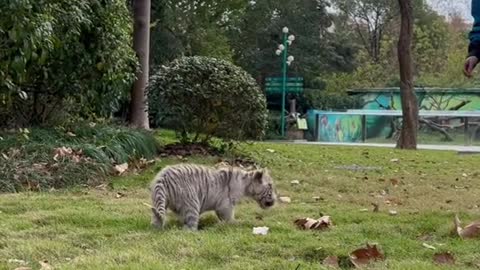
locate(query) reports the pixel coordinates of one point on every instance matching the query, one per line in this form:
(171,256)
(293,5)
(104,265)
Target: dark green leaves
(208,97)
(50,50)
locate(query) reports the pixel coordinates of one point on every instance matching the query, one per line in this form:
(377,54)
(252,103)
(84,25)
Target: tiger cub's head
(262,188)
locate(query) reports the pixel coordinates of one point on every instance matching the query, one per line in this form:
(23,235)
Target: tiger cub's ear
(258,175)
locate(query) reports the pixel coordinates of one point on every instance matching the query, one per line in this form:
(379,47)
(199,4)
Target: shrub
(207,97)
(29,160)
(322,100)
(59,56)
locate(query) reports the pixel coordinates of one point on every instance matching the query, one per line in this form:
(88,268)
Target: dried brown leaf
(314,224)
(364,256)
(121,168)
(331,261)
(102,187)
(470,231)
(76,159)
(67,152)
(444,258)
(45,265)
(63,151)
(394,182)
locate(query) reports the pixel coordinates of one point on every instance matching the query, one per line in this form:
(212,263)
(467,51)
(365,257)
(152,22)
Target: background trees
(54,55)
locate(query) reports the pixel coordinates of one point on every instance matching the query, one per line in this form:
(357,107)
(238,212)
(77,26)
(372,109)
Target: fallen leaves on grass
(322,223)
(67,152)
(142,163)
(444,258)
(119,195)
(364,256)
(237,162)
(470,231)
(104,186)
(121,168)
(45,265)
(394,182)
(331,261)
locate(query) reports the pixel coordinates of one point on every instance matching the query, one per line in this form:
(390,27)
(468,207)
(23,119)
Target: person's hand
(470,65)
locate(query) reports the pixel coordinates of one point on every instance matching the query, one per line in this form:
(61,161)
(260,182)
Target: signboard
(273,85)
(302,124)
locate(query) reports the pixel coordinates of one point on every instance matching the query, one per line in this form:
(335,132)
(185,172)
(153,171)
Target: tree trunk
(408,134)
(141,45)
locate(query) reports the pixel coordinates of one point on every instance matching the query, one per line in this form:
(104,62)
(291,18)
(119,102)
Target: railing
(445,123)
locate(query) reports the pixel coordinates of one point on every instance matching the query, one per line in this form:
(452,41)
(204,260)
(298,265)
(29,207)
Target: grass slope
(34,160)
(93,229)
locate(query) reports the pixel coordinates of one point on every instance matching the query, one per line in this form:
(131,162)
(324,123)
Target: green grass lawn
(94,229)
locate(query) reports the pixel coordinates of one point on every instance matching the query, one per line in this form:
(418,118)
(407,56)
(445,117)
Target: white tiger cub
(190,190)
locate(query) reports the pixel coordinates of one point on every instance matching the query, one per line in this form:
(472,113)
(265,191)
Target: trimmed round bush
(207,97)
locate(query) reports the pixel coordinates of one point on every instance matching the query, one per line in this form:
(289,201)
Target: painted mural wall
(340,128)
(346,128)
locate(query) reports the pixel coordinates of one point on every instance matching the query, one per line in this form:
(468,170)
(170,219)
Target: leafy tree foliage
(369,20)
(258,33)
(59,56)
(325,100)
(187,28)
(438,47)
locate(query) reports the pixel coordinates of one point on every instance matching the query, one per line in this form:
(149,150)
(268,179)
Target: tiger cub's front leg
(226,212)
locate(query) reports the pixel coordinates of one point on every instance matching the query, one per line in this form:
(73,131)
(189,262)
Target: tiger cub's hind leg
(190,217)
